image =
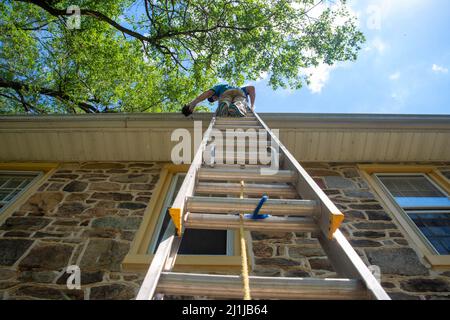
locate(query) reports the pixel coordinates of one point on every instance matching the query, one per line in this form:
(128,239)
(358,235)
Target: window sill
(438,262)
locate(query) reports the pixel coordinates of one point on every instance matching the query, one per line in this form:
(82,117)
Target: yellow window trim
(138,259)
(47,168)
(436,261)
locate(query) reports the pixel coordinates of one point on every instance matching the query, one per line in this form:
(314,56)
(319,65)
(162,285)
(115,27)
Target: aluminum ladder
(296,204)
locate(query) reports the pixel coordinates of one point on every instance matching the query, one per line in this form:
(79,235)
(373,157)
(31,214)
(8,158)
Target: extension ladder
(299,206)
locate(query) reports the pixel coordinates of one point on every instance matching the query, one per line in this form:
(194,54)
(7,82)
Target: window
(426,206)
(418,198)
(13,184)
(221,253)
(193,242)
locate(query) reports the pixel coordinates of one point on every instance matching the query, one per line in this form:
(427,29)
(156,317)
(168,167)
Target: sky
(403,68)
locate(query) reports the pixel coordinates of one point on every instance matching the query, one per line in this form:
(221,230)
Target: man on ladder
(233,101)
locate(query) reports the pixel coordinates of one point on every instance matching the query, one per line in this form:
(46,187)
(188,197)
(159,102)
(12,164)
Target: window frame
(406,211)
(171,227)
(422,245)
(139,259)
(46,170)
(37,177)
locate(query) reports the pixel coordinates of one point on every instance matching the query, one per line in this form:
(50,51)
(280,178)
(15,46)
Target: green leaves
(153,56)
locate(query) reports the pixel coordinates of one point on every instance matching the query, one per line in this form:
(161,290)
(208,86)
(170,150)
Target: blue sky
(403,67)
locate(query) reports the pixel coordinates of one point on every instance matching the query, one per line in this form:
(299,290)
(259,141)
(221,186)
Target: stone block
(365,243)
(131,178)
(116,196)
(70,209)
(278,262)
(397,261)
(320,264)
(25,223)
(113,222)
(75,186)
(354,215)
(44,202)
(48,293)
(47,256)
(425,285)
(77,197)
(402,296)
(262,250)
(7,274)
(378,216)
(113,291)
(369,234)
(374,226)
(132,205)
(103,254)
(297,273)
(339,183)
(12,249)
(366,207)
(104,186)
(351,173)
(301,252)
(359,194)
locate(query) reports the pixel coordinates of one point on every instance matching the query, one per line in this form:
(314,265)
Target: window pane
(12,184)
(193,242)
(414,192)
(435,227)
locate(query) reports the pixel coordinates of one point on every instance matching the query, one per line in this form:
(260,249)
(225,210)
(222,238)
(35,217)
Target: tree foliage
(152,56)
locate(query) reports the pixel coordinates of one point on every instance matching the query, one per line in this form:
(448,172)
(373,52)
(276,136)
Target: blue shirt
(221,88)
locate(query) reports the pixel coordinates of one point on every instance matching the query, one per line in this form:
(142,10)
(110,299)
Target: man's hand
(187,110)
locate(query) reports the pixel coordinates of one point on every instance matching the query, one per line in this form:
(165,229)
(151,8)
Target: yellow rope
(245,279)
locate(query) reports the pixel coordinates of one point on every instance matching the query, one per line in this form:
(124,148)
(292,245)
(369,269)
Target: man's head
(213,98)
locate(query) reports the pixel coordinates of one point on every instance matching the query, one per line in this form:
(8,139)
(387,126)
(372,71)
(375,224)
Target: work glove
(186,110)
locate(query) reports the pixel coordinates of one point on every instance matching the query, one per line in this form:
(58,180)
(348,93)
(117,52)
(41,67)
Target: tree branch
(19,86)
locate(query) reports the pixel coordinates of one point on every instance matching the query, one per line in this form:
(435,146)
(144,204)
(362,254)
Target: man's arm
(205,95)
(252,93)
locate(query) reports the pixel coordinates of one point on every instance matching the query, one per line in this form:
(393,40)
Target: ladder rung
(227,222)
(242,157)
(239,122)
(240,126)
(236,205)
(258,134)
(236,118)
(236,174)
(230,286)
(272,190)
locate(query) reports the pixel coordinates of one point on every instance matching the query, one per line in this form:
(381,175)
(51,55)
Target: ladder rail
(165,256)
(148,287)
(330,217)
(177,211)
(339,251)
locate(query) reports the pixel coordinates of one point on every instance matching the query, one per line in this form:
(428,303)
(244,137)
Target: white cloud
(319,76)
(394,76)
(263,76)
(374,13)
(439,69)
(379,45)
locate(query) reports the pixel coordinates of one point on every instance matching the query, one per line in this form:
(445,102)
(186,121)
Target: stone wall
(372,231)
(85,214)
